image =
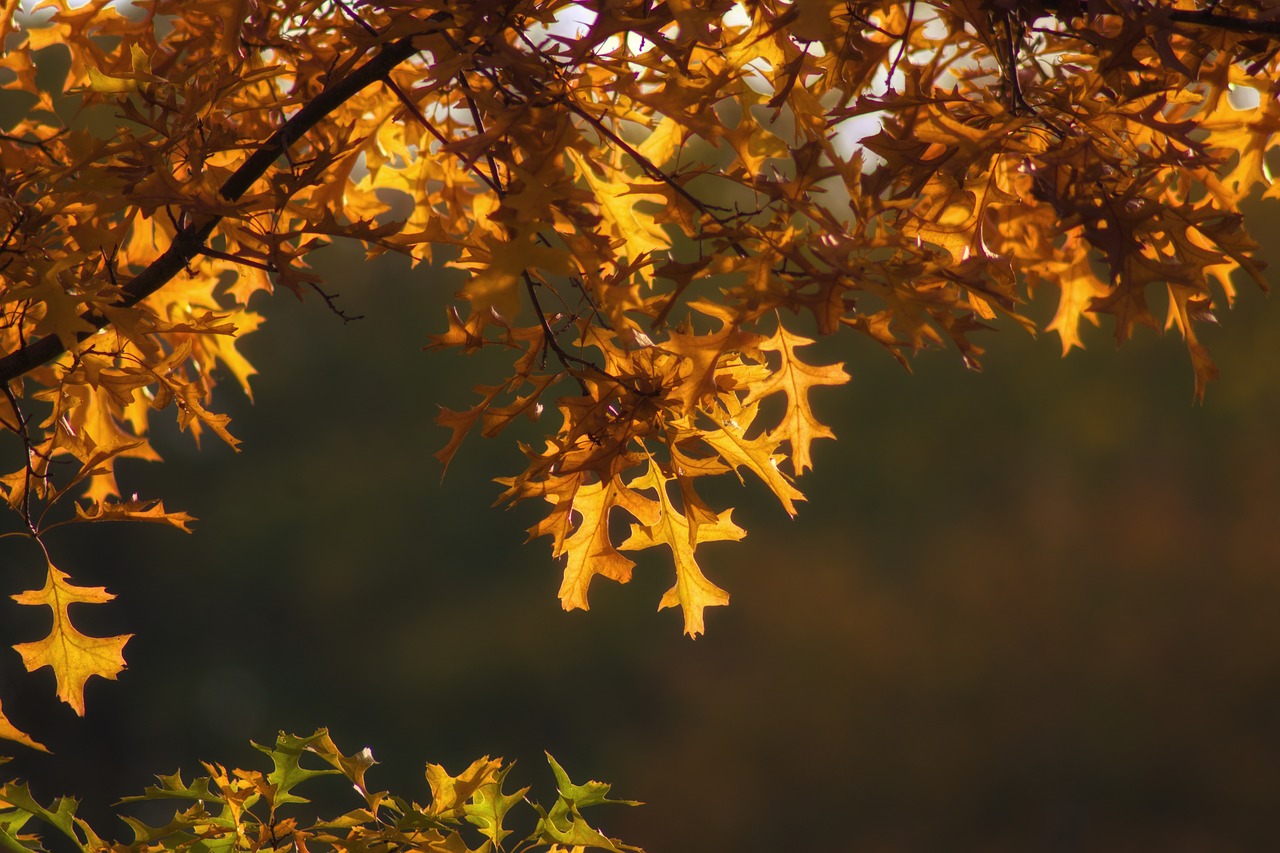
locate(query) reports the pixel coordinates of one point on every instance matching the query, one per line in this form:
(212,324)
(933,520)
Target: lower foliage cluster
(251,810)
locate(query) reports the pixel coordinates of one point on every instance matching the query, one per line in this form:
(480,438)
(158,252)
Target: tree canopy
(658,208)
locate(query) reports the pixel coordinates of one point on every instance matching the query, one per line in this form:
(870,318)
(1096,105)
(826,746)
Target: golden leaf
(692,591)
(758,455)
(498,270)
(135,510)
(1079,288)
(638,231)
(74,657)
(590,550)
(795,378)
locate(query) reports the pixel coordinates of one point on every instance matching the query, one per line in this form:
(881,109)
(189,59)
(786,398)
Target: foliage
(653,204)
(251,810)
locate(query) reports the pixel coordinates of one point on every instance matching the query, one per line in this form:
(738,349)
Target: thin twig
(331,299)
(25,436)
(550,337)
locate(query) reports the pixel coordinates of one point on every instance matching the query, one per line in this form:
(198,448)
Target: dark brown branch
(1201,18)
(1209,18)
(189,242)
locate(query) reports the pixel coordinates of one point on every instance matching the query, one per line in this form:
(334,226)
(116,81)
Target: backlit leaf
(73,656)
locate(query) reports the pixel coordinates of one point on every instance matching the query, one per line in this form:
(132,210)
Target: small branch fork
(493,180)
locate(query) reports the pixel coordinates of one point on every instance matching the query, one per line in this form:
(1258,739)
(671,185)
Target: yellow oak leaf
(1079,288)
(952,219)
(664,141)
(692,591)
(75,657)
(462,422)
(449,794)
(759,455)
(1248,132)
(222,346)
(8,731)
(706,353)
(590,550)
(62,308)
(499,268)
(639,231)
(794,378)
(123,80)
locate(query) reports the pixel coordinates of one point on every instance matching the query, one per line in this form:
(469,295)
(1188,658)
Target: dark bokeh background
(1032,609)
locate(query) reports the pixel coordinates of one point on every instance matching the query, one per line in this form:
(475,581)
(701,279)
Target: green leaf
(62,817)
(564,823)
(9,842)
(172,787)
(488,806)
(589,794)
(10,823)
(288,772)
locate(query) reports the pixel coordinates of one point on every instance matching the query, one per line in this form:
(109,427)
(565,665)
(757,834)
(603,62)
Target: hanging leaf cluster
(656,208)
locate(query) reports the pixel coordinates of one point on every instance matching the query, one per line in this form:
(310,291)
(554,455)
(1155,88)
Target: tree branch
(1209,18)
(188,243)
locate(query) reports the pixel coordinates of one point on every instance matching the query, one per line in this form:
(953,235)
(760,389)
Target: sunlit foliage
(251,810)
(657,207)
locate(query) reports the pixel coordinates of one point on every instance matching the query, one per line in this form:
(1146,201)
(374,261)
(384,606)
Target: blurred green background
(1028,609)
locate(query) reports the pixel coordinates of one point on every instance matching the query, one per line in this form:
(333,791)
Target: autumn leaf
(488,806)
(464,809)
(758,455)
(352,766)
(135,510)
(913,173)
(1079,288)
(590,551)
(706,351)
(73,656)
(564,823)
(287,771)
(498,272)
(692,592)
(637,230)
(8,731)
(795,378)
(450,794)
